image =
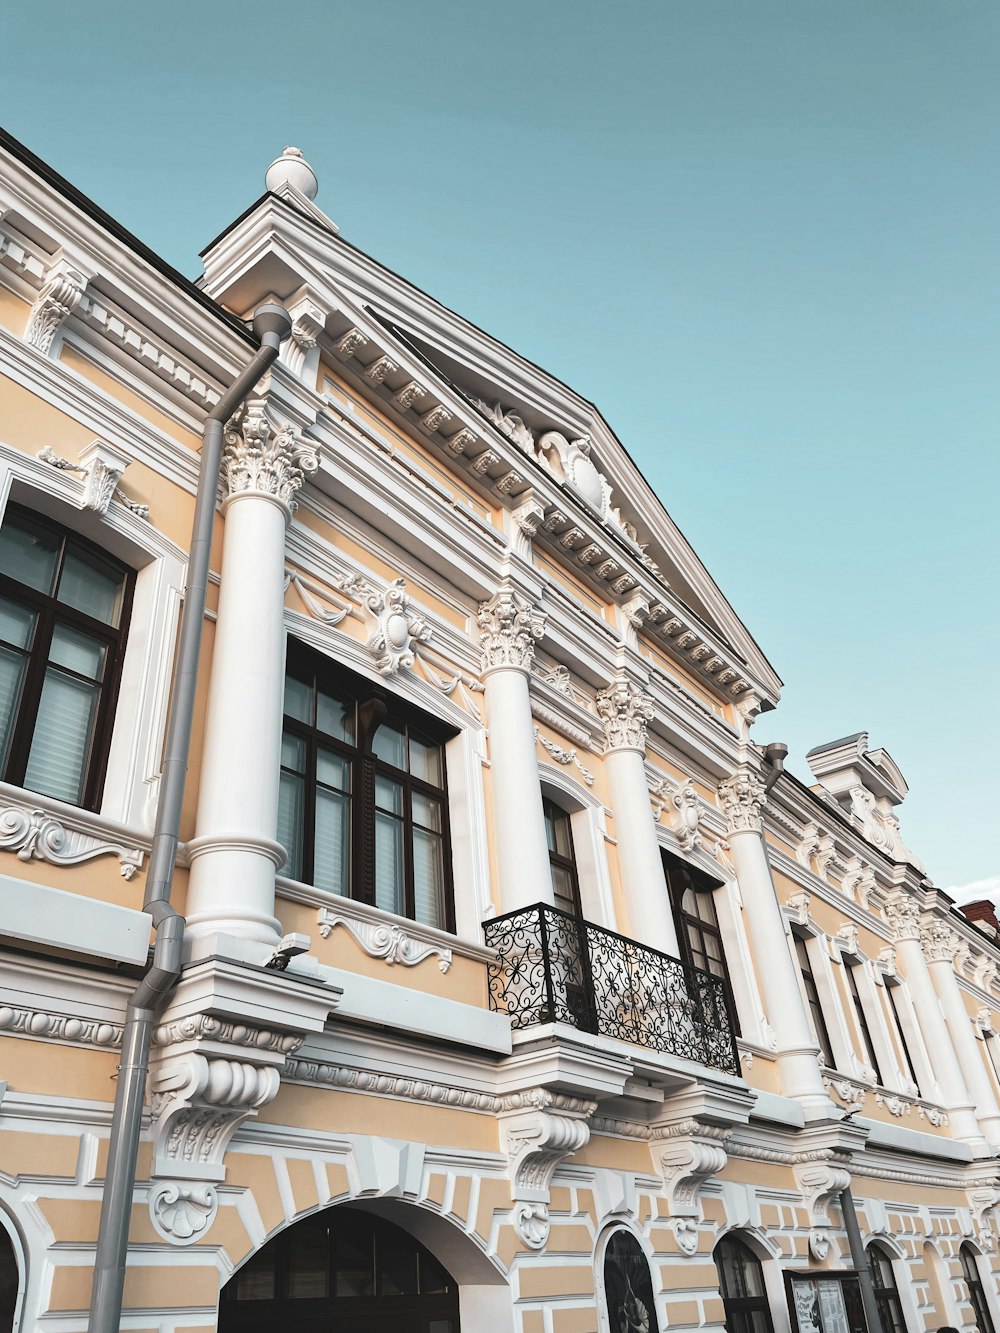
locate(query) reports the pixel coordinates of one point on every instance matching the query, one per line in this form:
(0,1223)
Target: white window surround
(131,785)
(464,762)
(588,822)
(901,1276)
(766,1250)
(735,944)
(10,1231)
(892,1074)
(831,998)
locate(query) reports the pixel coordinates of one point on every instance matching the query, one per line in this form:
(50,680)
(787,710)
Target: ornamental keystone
(508,628)
(625,710)
(263,457)
(742,798)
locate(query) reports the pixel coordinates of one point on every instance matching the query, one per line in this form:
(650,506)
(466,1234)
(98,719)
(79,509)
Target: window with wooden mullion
(64,609)
(696,921)
(862,1017)
(562,859)
(815,1004)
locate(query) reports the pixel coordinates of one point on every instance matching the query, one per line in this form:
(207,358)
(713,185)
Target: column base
(231,891)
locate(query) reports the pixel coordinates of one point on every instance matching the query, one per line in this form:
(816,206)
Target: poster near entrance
(825,1303)
(628,1287)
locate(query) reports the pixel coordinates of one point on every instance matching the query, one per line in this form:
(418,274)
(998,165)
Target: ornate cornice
(262,457)
(508,627)
(742,798)
(625,710)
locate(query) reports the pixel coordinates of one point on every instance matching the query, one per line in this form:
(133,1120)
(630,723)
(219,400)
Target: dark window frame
(977,1292)
(567,863)
(867,1040)
(901,1032)
(740,1309)
(373,707)
(682,877)
(814,1001)
(51,612)
(890,1307)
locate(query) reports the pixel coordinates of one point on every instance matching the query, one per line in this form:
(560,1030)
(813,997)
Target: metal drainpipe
(861,1261)
(271,324)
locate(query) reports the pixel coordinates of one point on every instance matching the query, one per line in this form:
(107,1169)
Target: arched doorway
(341,1271)
(9,1282)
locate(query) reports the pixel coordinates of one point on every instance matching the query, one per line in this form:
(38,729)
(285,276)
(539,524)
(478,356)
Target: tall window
(741,1280)
(977,1295)
(63,613)
(862,1017)
(699,935)
(9,1281)
(812,999)
(363,801)
(891,991)
(886,1293)
(562,861)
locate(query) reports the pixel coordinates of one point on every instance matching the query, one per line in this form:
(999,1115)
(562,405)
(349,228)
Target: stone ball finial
(292,167)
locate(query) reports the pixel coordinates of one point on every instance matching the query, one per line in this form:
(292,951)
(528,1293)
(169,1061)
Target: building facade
(522,990)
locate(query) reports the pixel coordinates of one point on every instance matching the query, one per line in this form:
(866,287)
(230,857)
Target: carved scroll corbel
(544,1128)
(819,1184)
(689,1154)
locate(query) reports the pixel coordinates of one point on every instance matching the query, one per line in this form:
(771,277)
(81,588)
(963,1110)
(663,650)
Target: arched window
(741,1281)
(628,1287)
(363,801)
(886,1292)
(562,858)
(342,1268)
(9,1282)
(977,1295)
(64,608)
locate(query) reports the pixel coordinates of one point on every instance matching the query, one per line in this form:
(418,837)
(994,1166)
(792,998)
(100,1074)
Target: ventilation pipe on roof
(775,755)
(271,325)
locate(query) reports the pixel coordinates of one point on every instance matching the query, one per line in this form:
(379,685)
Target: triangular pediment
(521,430)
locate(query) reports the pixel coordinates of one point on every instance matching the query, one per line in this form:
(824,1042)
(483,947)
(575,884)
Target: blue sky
(761,235)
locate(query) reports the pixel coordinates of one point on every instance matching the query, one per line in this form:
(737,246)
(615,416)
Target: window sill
(396,939)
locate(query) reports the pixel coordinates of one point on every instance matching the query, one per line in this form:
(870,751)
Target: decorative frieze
(46,1025)
(263,457)
(742,798)
(38,835)
(626,710)
(508,629)
(387,941)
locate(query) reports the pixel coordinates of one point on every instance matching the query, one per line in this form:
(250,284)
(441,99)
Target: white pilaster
(234,854)
(508,628)
(941,945)
(742,798)
(625,711)
(903,914)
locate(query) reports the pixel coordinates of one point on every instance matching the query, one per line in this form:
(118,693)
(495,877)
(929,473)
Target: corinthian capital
(903,916)
(939,942)
(742,798)
(264,457)
(625,710)
(508,628)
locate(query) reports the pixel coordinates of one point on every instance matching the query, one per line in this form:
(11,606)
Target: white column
(508,628)
(234,854)
(626,710)
(941,945)
(742,798)
(903,914)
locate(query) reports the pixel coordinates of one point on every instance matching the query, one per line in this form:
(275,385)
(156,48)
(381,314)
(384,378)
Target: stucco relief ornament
(686,822)
(182,1212)
(742,798)
(625,710)
(686,1233)
(939,942)
(399,629)
(263,458)
(508,628)
(55,303)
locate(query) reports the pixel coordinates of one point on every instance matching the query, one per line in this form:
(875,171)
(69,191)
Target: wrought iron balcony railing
(555,968)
